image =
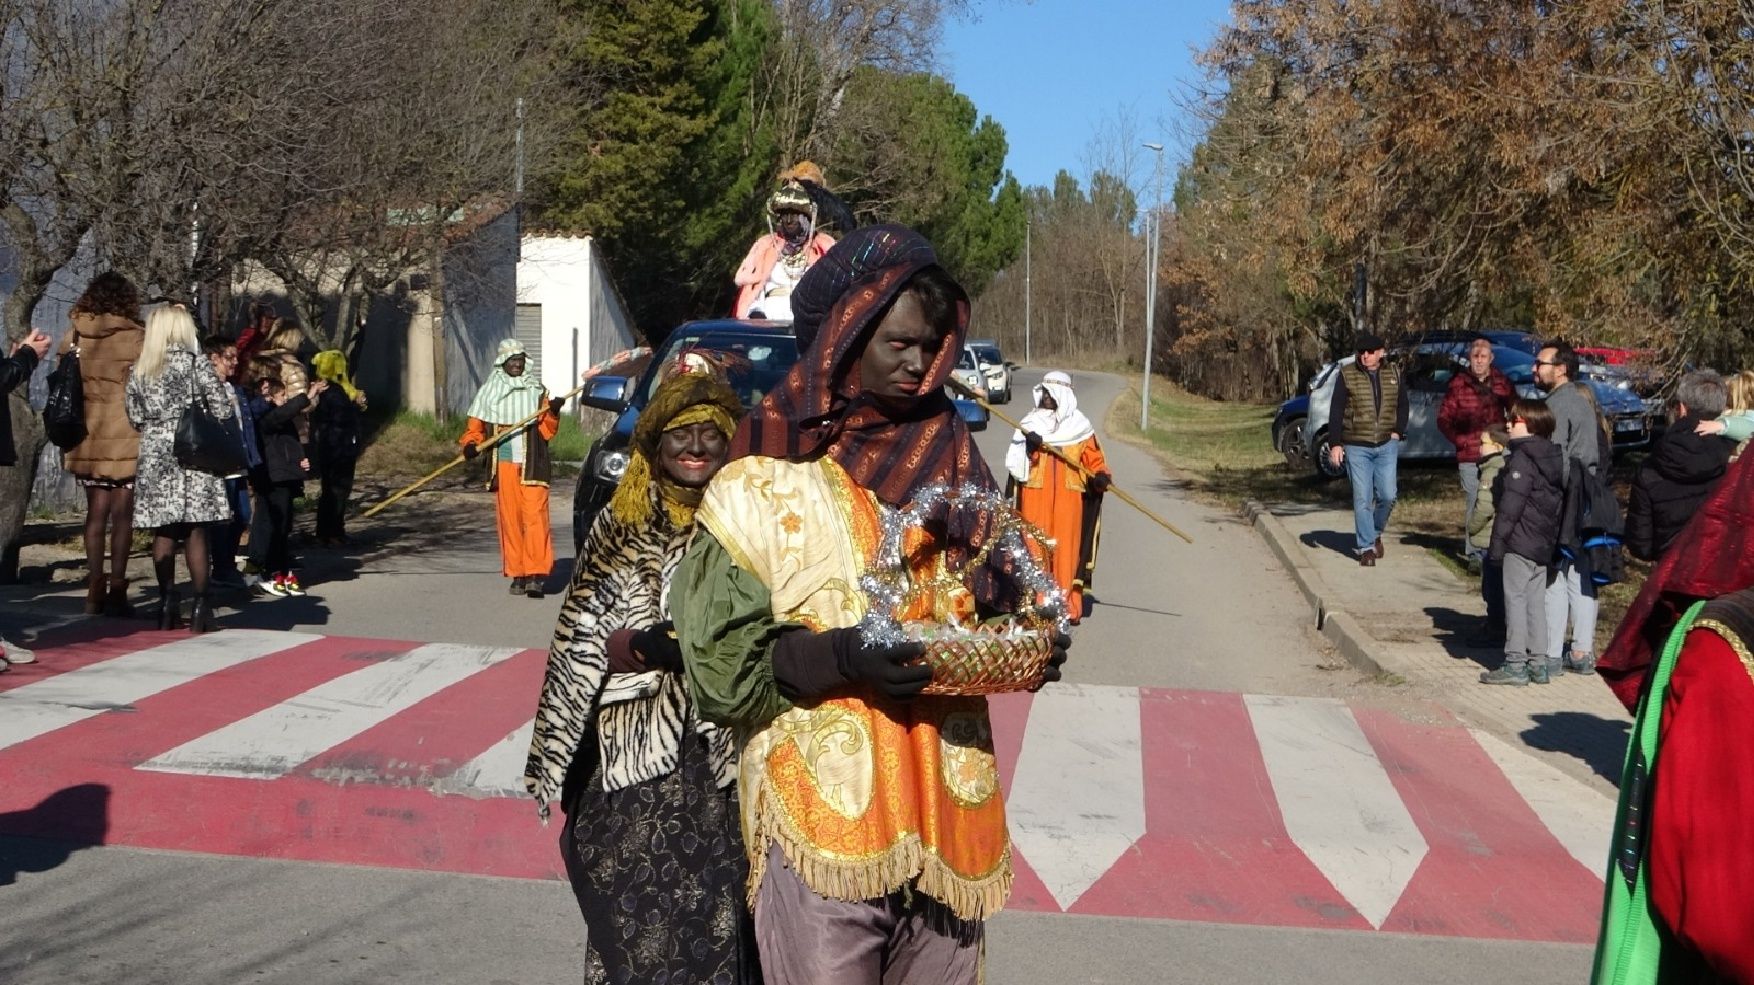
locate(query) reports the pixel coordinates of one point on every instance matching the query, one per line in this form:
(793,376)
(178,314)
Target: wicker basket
(988,659)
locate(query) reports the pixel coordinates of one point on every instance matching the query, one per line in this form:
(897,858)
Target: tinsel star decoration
(889,588)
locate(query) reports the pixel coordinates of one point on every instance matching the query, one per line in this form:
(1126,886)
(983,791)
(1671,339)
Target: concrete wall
(583,318)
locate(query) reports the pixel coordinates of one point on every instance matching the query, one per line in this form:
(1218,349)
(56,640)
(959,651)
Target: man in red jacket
(1476,401)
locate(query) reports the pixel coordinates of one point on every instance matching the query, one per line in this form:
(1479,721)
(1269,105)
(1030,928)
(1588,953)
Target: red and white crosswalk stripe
(1136,802)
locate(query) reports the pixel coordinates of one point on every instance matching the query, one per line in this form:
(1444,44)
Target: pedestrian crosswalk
(1137,802)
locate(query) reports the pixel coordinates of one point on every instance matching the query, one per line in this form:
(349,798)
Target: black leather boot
(201,618)
(170,611)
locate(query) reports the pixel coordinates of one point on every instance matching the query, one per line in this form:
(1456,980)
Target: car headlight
(611,465)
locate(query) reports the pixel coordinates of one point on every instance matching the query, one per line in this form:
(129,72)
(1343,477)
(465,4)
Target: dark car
(764,351)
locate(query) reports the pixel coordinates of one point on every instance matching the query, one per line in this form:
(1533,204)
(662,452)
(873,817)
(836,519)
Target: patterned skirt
(659,872)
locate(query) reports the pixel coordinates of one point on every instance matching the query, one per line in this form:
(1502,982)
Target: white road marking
(1337,800)
(115,684)
(277,740)
(1077,799)
(1581,817)
(498,772)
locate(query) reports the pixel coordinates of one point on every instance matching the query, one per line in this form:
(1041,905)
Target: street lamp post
(1026,225)
(1151,248)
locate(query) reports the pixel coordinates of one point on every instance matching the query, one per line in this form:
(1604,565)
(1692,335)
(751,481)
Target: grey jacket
(1577,425)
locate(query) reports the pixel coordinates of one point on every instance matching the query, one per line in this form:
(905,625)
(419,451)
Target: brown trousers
(900,939)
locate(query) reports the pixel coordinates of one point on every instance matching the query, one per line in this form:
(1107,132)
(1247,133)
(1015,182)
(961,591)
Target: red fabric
(1714,555)
(1701,855)
(1471,406)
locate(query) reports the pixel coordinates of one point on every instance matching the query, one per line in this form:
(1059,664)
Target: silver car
(994,367)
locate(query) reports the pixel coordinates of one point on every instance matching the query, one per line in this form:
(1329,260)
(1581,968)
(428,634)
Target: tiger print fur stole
(621,581)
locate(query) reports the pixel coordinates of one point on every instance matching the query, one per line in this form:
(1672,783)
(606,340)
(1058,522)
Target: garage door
(528,330)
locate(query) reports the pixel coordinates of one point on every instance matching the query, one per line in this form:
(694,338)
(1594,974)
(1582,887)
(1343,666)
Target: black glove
(555,405)
(1031,442)
(807,665)
(1056,661)
(1098,483)
(658,646)
(471,449)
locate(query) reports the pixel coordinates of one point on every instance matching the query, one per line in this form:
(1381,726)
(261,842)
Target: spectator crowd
(1542,522)
(205,443)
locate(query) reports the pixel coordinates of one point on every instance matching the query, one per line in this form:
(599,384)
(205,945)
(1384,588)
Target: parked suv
(1300,430)
(764,351)
(995,368)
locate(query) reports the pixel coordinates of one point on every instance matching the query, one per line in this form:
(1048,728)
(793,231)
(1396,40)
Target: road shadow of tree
(1599,742)
(44,837)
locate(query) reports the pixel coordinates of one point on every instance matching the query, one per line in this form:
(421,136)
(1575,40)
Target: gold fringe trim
(1729,636)
(854,880)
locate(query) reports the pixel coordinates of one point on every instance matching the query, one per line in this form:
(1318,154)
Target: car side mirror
(606,393)
(1012,366)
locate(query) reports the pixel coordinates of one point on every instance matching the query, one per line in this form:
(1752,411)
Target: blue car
(1428,363)
(765,352)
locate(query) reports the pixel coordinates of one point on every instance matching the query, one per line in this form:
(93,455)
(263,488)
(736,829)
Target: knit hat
(1370,342)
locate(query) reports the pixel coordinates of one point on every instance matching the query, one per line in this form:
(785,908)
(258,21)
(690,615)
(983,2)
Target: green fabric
(725,624)
(1738,425)
(1367,422)
(1629,950)
(1485,510)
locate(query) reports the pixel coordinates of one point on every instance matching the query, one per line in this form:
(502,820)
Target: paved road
(1208,799)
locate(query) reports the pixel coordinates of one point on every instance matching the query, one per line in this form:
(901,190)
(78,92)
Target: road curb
(1360,649)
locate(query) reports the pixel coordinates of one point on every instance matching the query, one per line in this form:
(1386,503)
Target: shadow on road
(1454,629)
(74,818)
(1339,541)
(1599,742)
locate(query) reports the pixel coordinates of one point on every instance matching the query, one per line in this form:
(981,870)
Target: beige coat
(108,347)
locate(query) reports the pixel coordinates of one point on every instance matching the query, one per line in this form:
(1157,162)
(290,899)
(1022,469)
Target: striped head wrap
(506,399)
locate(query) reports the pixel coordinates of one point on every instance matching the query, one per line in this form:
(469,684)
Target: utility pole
(1027,222)
(1155,221)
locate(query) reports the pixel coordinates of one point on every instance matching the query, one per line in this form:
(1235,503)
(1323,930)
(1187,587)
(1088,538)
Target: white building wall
(583,319)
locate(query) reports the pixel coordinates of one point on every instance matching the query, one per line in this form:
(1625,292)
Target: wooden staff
(491,443)
(1086,473)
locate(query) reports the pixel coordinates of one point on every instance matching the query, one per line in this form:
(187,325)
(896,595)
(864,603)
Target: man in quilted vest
(1366,422)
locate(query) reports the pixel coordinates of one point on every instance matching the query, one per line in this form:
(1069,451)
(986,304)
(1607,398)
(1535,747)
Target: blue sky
(1053,71)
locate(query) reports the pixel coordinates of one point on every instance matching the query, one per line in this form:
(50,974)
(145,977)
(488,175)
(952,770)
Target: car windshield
(987,353)
(966,360)
(1517,365)
(755,363)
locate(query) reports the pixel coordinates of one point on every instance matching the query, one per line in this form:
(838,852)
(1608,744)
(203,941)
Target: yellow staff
(1086,473)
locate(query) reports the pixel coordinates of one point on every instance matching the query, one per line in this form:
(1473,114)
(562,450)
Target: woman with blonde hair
(170,500)
(106,336)
(1737,421)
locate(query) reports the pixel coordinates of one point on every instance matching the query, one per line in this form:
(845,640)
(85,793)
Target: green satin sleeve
(1738,425)
(726,627)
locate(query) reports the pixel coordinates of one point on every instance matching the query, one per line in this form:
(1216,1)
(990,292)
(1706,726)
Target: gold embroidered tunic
(862,793)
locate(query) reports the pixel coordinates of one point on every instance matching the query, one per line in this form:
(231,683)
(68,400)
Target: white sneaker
(15,654)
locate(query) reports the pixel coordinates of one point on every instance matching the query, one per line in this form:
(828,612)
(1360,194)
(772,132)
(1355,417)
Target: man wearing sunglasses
(1581,435)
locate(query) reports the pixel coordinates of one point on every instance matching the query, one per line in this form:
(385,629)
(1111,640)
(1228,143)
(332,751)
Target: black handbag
(64,414)
(205,443)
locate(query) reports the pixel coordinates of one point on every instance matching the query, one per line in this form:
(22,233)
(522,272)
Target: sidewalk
(1411,616)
